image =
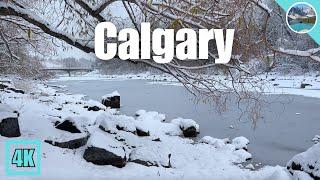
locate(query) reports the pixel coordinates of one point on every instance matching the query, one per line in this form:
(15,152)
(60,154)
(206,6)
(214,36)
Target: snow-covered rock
(68,140)
(94,106)
(188,126)
(300,175)
(112,123)
(114,93)
(151,115)
(243,155)
(316,139)
(104,150)
(240,142)
(279,174)
(6,111)
(73,124)
(9,123)
(111,100)
(308,161)
(151,156)
(142,130)
(250,166)
(217,143)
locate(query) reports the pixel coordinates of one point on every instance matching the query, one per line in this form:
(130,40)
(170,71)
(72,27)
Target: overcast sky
(116,9)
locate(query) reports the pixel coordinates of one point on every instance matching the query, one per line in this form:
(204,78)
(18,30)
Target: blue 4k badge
(314,32)
(23,157)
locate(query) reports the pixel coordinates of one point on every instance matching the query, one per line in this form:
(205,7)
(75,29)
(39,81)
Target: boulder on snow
(9,127)
(151,156)
(92,105)
(308,162)
(94,108)
(111,100)
(112,123)
(105,150)
(190,132)
(69,141)
(188,126)
(142,131)
(72,124)
(9,123)
(304,85)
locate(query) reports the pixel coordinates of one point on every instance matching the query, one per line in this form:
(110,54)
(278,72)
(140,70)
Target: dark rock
(68,126)
(56,123)
(296,166)
(190,132)
(105,130)
(101,156)
(144,163)
(9,127)
(72,144)
(3,86)
(148,163)
(112,102)
(16,90)
(119,127)
(157,140)
(303,85)
(141,132)
(94,108)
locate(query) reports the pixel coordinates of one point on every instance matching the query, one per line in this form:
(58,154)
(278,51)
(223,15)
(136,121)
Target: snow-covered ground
(165,152)
(271,83)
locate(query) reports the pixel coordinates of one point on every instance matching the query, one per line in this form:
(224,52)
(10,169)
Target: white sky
(116,9)
(74,53)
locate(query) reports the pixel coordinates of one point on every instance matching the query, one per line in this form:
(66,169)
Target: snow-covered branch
(8,9)
(311,53)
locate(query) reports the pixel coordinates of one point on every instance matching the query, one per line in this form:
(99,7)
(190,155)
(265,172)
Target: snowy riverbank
(273,83)
(158,150)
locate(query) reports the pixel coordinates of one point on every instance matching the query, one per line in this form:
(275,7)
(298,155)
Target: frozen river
(287,126)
